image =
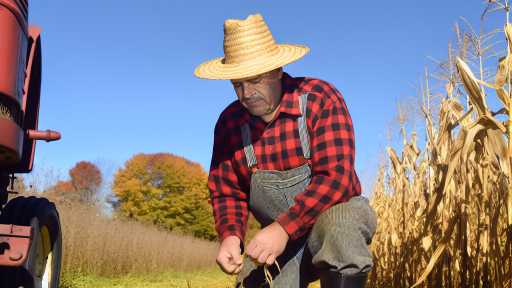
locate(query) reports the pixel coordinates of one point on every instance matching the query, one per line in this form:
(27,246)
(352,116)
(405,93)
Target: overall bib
(338,240)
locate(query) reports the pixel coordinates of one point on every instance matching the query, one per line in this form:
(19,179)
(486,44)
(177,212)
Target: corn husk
(472,89)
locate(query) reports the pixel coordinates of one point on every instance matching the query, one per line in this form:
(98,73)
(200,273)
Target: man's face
(260,94)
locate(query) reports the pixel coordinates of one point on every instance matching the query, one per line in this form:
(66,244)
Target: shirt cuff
(292,225)
(233,230)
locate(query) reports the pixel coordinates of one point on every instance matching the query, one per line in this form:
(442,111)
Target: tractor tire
(43,263)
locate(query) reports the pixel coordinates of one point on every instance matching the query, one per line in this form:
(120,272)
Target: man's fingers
(223,258)
(233,253)
(250,247)
(227,262)
(262,259)
(271,259)
(239,269)
(228,257)
(236,257)
(234,268)
(256,253)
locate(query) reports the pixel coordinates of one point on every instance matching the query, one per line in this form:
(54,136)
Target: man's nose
(248,90)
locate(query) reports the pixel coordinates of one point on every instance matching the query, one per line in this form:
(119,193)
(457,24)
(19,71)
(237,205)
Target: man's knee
(342,233)
(356,214)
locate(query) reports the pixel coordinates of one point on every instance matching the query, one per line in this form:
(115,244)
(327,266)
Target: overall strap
(248,148)
(303,129)
(303,134)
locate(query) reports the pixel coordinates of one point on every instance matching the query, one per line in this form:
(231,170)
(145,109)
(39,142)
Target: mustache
(254,97)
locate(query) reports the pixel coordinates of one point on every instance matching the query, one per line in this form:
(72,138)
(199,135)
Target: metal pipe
(43,135)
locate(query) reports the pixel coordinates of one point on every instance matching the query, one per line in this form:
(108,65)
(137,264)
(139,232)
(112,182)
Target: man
(285,152)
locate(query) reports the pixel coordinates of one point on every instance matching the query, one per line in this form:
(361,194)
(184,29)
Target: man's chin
(257,112)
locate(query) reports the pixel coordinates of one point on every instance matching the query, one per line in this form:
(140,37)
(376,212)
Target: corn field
(445,211)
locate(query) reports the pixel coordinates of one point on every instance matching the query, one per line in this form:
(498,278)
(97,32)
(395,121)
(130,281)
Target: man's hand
(268,244)
(228,257)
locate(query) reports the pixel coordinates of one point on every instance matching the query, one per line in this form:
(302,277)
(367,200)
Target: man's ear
(280,73)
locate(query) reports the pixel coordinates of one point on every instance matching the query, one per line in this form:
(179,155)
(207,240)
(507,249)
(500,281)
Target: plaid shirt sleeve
(332,154)
(227,198)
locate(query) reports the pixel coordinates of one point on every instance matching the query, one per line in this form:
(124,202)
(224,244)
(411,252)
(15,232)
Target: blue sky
(118,75)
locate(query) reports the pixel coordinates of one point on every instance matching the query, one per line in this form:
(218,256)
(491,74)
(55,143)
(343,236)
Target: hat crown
(249,50)
(247,40)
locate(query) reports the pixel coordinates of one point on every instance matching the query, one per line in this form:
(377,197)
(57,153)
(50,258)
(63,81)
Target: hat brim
(215,69)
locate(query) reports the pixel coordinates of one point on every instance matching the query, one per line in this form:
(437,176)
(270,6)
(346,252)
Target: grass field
(211,278)
(101,251)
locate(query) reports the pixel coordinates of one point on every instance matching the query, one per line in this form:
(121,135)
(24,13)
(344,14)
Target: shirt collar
(289,103)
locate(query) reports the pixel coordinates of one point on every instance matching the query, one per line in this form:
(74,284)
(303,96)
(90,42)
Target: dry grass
(96,245)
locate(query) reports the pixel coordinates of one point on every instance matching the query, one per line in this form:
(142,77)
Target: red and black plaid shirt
(277,147)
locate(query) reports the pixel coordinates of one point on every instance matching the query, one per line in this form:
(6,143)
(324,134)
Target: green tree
(168,190)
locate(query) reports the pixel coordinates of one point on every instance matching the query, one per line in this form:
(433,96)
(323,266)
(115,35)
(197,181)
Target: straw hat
(249,50)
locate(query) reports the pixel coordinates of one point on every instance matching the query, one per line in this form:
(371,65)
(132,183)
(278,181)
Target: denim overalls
(338,239)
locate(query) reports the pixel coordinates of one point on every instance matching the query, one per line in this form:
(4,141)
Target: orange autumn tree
(85,181)
(168,190)
(65,187)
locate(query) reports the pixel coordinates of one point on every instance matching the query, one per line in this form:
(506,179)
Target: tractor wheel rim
(43,260)
(47,276)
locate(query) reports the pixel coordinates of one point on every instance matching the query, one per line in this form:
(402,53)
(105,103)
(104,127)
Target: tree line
(165,189)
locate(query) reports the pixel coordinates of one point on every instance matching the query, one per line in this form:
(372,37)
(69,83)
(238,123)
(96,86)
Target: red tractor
(30,233)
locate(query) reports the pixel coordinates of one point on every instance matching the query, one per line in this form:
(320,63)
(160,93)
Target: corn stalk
(444,212)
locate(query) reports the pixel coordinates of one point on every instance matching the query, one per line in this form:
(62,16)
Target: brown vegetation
(96,244)
(102,246)
(445,211)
